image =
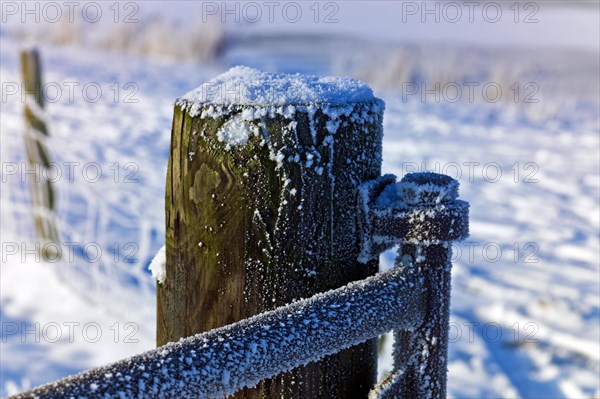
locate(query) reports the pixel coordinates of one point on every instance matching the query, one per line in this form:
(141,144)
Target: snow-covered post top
(262,209)
(254,89)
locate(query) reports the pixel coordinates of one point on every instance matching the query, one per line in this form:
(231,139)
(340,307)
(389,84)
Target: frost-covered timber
(220,362)
(262,210)
(423,215)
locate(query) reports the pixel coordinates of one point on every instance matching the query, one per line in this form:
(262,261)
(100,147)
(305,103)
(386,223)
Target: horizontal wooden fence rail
(220,362)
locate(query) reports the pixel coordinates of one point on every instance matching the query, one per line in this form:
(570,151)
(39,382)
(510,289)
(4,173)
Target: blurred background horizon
(387,44)
(502,96)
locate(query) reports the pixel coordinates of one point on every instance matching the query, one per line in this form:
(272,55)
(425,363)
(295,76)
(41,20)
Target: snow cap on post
(248,86)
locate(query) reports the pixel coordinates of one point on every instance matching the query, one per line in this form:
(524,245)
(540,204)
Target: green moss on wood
(240,243)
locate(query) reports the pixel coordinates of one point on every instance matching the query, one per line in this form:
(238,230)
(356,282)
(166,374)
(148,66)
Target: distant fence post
(261,210)
(41,190)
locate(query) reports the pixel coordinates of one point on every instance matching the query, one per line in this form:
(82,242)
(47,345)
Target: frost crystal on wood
(264,172)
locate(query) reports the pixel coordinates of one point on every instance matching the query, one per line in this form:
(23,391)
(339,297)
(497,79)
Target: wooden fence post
(41,190)
(261,210)
(421,212)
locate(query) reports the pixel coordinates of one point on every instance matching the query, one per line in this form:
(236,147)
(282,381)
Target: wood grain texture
(246,233)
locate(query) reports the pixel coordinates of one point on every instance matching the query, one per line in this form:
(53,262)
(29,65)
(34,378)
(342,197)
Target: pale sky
(536,23)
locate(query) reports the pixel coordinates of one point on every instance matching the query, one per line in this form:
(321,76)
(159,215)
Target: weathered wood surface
(259,225)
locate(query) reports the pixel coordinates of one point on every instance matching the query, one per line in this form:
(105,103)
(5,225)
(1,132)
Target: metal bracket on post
(422,214)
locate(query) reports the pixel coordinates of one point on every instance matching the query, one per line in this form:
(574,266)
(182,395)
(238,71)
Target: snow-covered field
(526,284)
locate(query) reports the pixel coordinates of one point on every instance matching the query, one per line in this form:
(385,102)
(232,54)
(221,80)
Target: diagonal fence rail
(222,361)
